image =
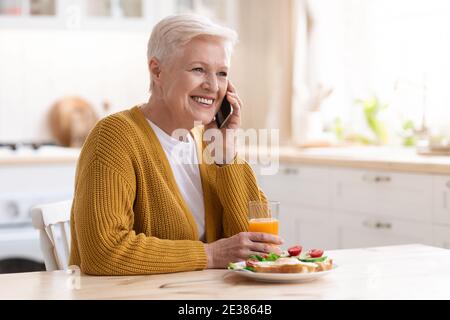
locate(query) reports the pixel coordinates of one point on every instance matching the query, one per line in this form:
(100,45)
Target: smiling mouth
(203,101)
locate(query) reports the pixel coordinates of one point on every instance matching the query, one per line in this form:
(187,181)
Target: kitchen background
(366,75)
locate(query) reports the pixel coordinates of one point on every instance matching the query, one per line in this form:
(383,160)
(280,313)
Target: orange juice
(267,225)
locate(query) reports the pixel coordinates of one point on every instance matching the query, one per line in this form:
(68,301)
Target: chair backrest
(53,222)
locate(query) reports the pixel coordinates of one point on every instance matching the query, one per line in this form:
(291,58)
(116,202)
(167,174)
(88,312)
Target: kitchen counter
(394,272)
(376,158)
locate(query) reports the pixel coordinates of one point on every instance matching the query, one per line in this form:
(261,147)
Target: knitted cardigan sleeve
(107,243)
(236,186)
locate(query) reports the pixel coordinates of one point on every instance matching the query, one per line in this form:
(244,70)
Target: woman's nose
(211,83)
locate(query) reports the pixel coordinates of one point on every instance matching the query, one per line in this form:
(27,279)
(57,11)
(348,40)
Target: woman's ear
(154,67)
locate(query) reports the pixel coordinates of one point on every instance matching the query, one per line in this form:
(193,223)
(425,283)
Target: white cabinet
(441,199)
(352,192)
(303,192)
(310,228)
(441,236)
(80,14)
(305,185)
(367,231)
(315,228)
(121,15)
(398,195)
(334,207)
(375,208)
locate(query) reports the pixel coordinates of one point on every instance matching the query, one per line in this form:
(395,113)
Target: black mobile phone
(225,111)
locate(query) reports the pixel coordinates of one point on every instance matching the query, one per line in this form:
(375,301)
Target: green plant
(409,138)
(342,134)
(338,129)
(372,108)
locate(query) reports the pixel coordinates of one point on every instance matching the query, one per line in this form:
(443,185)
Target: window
(397,50)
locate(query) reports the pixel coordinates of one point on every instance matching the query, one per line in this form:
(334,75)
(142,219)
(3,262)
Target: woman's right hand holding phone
(230,126)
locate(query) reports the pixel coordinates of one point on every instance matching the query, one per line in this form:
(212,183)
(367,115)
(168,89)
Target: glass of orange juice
(263,216)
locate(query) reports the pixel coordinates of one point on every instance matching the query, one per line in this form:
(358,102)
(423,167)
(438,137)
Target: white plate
(282,277)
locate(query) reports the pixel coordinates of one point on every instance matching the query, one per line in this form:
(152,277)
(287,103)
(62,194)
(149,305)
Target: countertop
(374,158)
(393,272)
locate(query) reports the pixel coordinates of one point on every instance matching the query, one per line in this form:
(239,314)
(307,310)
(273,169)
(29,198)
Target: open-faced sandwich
(291,261)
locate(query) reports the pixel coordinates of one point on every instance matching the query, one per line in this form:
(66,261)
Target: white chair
(53,222)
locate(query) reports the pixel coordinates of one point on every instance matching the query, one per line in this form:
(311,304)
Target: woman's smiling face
(195,80)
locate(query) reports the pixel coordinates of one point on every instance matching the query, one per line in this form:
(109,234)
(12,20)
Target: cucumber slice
(320,259)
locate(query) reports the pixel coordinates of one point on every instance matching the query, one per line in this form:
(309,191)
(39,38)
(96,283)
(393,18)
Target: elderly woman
(136,209)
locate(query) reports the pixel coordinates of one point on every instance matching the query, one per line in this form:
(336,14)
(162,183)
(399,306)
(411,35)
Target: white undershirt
(186,172)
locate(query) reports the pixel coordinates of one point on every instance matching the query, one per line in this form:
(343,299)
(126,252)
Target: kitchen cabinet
(315,229)
(441,199)
(399,195)
(304,198)
(336,207)
(441,236)
(308,227)
(120,15)
(368,231)
(28,178)
(352,192)
(306,185)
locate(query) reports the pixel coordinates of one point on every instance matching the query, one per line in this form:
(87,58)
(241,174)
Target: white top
(182,156)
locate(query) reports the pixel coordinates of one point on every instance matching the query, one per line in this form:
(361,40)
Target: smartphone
(225,111)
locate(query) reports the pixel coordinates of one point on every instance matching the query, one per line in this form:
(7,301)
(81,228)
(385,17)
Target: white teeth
(203,100)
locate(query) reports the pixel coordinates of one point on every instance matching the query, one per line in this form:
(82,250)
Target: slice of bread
(288,268)
(291,265)
(325,266)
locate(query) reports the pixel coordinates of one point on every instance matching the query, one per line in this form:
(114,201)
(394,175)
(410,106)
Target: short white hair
(175,31)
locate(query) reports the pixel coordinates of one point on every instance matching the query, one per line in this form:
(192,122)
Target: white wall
(37,67)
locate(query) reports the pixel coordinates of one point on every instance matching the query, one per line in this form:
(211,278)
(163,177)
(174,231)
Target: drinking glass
(263,216)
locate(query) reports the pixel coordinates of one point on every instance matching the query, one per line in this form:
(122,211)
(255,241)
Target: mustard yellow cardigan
(128,216)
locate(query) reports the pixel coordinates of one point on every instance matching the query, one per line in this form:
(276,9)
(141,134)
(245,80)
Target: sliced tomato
(315,253)
(295,251)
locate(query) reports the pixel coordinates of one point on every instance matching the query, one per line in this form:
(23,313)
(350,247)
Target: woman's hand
(239,247)
(234,122)
(229,130)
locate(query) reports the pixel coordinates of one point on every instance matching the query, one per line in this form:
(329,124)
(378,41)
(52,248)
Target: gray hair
(175,31)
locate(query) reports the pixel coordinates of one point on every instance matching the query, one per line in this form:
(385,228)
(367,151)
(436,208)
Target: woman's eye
(198,69)
(223,74)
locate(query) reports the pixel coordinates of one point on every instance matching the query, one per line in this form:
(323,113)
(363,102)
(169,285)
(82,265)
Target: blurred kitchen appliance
(71,119)
(30,174)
